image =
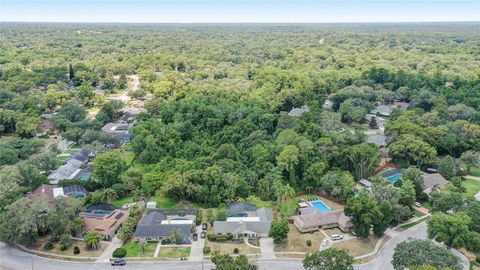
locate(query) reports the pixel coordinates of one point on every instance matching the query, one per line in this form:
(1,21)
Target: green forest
(217,128)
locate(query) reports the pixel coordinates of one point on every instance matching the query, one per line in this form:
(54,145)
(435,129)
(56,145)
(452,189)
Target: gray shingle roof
(432,181)
(259,227)
(239,208)
(265,214)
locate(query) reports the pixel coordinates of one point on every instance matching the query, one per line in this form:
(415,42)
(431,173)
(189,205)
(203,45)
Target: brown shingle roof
(43,191)
(104,224)
(320,219)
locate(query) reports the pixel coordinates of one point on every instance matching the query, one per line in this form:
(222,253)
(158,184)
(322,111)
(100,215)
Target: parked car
(325,242)
(354,233)
(203,234)
(417,204)
(118,262)
(204,226)
(336,237)
(195,237)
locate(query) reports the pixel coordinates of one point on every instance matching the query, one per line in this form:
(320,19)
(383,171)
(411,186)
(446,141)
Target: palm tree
(92,240)
(288,193)
(109,195)
(142,243)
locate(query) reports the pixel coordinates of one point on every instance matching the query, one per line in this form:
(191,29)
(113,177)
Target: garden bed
(84,252)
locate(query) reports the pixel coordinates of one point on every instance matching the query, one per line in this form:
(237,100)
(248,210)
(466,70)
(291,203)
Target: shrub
(206,250)
(309,242)
(236,251)
(477,259)
(166,241)
(65,242)
(119,253)
(198,221)
(48,245)
(76,250)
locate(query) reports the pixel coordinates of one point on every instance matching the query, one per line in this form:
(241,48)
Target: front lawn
(358,246)
(134,250)
(84,251)
(229,246)
(418,213)
(297,242)
(475,171)
(174,252)
(472,187)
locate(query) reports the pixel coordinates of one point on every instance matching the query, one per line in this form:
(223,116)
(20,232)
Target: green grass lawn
(287,207)
(258,202)
(118,203)
(471,186)
(170,203)
(133,250)
(418,213)
(406,226)
(174,252)
(475,171)
(61,160)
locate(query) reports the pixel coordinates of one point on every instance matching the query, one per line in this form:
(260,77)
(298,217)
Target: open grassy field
(118,203)
(134,250)
(174,252)
(472,187)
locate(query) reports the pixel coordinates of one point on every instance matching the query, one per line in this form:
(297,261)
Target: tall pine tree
(71,73)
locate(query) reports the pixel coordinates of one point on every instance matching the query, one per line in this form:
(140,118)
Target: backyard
(472,187)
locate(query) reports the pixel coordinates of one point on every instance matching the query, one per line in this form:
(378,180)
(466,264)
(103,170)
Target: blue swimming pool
(321,206)
(394,178)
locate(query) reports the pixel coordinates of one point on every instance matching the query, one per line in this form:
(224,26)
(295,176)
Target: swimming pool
(394,178)
(321,206)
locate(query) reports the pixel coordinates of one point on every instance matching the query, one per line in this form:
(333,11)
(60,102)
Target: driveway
(107,253)
(196,252)
(266,249)
(384,258)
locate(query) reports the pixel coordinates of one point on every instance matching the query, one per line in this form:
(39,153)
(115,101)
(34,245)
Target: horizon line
(241,22)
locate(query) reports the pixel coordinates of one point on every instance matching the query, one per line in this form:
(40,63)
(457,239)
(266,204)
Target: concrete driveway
(196,252)
(107,253)
(266,249)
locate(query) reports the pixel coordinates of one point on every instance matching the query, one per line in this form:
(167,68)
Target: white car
(417,204)
(336,237)
(325,242)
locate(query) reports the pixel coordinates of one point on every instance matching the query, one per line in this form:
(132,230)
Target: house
(103,220)
(73,191)
(297,112)
(66,171)
(160,224)
(251,226)
(151,205)
(241,209)
(322,220)
(380,120)
(365,183)
(43,191)
(379,140)
(383,110)
(84,174)
(433,181)
(81,158)
(121,130)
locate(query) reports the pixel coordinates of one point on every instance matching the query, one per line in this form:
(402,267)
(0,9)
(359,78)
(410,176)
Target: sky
(238,11)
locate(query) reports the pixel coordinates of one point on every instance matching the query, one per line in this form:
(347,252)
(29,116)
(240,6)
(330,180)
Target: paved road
(384,258)
(13,259)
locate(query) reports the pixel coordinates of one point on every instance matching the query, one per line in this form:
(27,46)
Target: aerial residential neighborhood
(240,135)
